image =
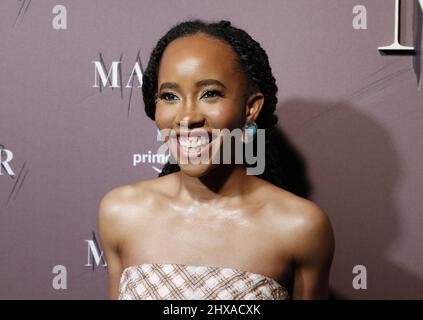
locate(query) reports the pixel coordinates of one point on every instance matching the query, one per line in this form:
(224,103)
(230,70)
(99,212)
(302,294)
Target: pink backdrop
(355,115)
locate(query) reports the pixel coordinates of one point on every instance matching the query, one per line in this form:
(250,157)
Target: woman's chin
(196,170)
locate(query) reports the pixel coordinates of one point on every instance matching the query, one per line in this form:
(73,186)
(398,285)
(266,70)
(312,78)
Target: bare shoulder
(301,224)
(122,210)
(313,230)
(118,200)
(131,198)
(125,208)
(124,205)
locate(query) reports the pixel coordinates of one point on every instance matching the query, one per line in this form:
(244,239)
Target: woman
(208,230)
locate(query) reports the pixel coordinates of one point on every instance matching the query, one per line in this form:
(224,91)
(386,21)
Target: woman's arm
(108,225)
(313,255)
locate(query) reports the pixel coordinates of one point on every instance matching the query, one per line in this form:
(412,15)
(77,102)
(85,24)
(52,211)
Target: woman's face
(201,89)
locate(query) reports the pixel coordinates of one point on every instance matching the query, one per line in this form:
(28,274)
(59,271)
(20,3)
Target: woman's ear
(253,106)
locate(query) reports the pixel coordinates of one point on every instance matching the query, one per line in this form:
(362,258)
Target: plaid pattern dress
(170,281)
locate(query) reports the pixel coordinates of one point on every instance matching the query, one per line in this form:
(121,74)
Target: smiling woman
(209,230)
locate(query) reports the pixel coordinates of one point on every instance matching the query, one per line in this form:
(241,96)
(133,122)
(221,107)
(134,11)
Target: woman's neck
(223,183)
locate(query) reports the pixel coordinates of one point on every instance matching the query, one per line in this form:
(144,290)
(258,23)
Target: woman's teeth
(194,142)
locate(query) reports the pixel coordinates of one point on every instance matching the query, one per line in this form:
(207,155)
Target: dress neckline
(271,280)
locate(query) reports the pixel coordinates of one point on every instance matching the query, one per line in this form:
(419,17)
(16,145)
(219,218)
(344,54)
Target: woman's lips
(203,153)
(192,152)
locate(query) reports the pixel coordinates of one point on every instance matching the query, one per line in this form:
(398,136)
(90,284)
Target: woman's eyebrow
(200,83)
(207,82)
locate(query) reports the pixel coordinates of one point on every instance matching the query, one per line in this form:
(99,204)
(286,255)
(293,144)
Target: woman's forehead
(198,54)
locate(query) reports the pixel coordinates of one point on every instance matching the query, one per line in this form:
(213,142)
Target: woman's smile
(196,145)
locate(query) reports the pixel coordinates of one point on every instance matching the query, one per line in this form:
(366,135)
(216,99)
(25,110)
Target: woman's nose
(190,116)
(191,121)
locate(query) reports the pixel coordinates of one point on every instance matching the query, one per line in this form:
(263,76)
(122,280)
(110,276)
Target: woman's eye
(212,94)
(167,96)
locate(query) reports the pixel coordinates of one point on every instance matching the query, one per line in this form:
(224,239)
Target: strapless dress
(170,281)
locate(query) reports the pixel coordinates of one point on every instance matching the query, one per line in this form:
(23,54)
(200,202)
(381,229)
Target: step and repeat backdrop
(73,126)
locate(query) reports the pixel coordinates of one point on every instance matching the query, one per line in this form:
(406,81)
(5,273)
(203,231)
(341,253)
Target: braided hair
(254,62)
